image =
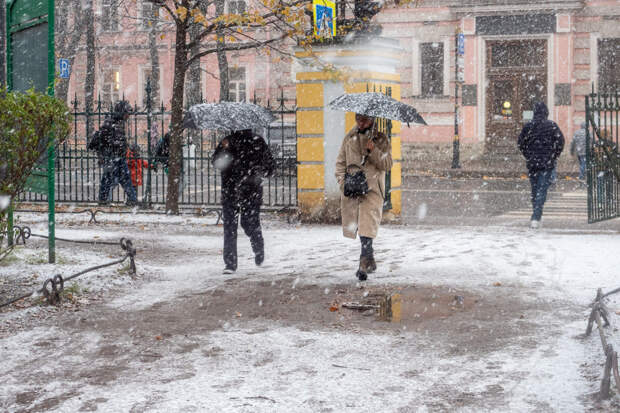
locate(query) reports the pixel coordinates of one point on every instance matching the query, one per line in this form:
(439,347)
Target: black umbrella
(227,116)
(377,105)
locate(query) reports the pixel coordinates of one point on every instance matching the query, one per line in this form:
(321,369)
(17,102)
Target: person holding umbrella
(365,156)
(244,160)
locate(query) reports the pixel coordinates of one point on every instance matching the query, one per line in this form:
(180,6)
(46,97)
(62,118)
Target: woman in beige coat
(366,149)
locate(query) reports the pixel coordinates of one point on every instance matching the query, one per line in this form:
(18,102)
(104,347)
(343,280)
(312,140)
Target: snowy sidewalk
(187,338)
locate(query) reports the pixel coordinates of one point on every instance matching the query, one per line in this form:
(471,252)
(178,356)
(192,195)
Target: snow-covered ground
(155,344)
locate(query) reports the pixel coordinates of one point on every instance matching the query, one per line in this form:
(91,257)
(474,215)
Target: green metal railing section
(78,173)
(602,156)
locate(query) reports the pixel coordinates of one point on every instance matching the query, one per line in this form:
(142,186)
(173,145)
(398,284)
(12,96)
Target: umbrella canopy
(377,105)
(227,116)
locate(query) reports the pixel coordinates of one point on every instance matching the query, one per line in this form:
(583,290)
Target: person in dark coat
(541,142)
(110,143)
(244,160)
(162,155)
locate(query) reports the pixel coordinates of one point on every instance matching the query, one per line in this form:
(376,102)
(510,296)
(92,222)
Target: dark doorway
(517,79)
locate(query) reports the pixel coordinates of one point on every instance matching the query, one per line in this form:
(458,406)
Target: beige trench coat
(363,214)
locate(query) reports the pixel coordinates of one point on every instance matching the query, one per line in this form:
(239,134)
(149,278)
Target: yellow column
(310,152)
(314,90)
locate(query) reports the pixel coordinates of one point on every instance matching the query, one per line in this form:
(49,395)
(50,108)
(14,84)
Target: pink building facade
(514,53)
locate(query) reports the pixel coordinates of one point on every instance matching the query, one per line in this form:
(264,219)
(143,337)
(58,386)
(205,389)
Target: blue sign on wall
(64,68)
(461,44)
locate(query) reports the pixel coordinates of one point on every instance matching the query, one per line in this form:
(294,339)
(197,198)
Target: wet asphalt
(478,201)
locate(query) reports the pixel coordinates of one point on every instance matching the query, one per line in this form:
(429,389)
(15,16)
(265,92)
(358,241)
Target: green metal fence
(78,173)
(602,156)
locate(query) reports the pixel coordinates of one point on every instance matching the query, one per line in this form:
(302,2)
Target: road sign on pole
(64,68)
(461,44)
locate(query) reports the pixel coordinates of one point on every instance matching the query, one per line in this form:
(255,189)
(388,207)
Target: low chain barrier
(53,286)
(600,315)
(292,213)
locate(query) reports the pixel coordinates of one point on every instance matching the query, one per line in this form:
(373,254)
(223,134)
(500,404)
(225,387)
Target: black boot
(362,276)
(259,257)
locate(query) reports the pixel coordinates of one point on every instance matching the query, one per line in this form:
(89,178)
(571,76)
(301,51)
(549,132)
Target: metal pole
(51,170)
(456,142)
(149,121)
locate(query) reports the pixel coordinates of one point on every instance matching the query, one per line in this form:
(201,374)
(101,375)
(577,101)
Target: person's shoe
(361,275)
(259,258)
(534,224)
(131,203)
(229,269)
(103,203)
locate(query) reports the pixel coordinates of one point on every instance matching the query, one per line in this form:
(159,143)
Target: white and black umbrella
(377,105)
(230,116)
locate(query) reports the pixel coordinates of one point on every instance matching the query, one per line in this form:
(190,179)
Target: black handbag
(355,185)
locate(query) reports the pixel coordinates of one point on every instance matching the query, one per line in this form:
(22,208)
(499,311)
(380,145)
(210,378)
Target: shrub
(27,120)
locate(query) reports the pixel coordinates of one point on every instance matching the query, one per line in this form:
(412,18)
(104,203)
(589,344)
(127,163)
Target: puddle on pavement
(409,304)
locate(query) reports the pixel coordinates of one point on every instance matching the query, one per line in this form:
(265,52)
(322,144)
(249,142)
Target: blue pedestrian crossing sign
(461,44)
(64,68)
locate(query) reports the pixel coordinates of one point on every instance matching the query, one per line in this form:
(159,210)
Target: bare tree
(70,18)
(89,83)
(219,33)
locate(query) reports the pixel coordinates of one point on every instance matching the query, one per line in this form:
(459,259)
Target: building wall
(572,65)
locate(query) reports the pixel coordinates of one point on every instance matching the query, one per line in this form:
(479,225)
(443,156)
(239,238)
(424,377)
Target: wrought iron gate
(78,174)
(602,156)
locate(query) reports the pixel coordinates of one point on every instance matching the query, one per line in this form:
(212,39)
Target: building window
(109,15)
(110,92)
(608,72)
(236,6)
(236,79)
(149,15)
(431,80)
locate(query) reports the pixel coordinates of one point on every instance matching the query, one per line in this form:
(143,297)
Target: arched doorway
(517,79)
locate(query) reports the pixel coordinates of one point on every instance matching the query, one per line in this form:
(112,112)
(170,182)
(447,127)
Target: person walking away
(367,150)
(110,143)
(244,160)
(578,149)
(162,155)
(541,142)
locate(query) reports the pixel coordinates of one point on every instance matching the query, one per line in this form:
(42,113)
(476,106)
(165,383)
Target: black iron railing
(602,156)
(78,173)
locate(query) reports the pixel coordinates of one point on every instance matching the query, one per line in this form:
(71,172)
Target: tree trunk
(66,41)
(178,85)
(222,60)
(89,83)
(154,54)
(193,93)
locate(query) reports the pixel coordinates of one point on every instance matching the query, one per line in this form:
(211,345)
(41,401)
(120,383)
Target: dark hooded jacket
(110,140)
(541,140)
(251,160)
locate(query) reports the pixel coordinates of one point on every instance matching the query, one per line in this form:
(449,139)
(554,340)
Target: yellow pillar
(320,131)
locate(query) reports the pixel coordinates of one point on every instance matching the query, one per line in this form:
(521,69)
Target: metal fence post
(149,120)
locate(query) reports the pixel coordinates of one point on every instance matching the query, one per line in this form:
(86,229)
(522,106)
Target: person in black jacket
(541,143)
(244,160)
(110,143)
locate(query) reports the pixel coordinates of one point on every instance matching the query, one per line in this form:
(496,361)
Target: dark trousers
(116,171)
(582,166)
(540,181)
(245,201)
